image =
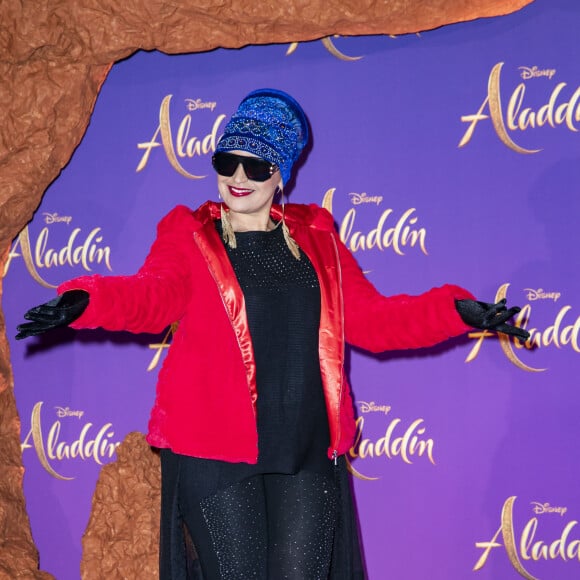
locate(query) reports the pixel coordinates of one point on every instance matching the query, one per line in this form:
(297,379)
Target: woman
(253,413)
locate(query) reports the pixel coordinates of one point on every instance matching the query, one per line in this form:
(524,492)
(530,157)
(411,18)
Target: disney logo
(196,104)
(53,218)
(372,407)
(546,508)
(541,294)
(68,412)
(535,72)
(358,198)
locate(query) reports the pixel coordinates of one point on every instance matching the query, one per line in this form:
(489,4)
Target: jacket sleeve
(378,323)
(152,298)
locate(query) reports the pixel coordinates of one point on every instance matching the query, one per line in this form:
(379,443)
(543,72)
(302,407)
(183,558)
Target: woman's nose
(239,174)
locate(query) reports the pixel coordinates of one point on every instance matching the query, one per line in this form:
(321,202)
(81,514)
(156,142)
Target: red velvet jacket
(206,393)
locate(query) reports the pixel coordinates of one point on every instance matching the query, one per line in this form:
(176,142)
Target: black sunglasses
(255,168)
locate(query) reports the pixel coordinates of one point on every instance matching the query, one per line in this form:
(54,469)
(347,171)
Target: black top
(282,297)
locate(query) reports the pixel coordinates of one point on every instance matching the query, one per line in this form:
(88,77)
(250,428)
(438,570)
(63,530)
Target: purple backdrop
(446,157)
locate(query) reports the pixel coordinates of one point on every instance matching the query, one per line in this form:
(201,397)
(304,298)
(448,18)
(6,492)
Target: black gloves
(67,307)
(490,317)
(58,312)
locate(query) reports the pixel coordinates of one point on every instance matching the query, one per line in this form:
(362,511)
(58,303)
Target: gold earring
(290,242)
(228,233)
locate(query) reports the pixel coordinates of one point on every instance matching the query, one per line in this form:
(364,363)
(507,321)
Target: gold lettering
(496,111)
(557,334)
(97,448)
(148,146)
(480,335)
(539,550)
(493,102)
(411,443)
(557,548)
(398,237)
(23,240)
(487,547)
(573,550)
(507,531)
(84,252)
(514,105)
(527,538)
(167,139)
(184,146)
(519,117)
(473,120)
(38,442)
(160,347)
(546,112)
(182,141)
(329,45)
(72,254)
(530,549)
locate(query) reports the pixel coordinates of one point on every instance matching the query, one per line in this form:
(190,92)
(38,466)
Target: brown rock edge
(122,536)
(54,57)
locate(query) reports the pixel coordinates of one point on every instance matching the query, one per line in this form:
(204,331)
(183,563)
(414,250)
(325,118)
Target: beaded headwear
(270,124)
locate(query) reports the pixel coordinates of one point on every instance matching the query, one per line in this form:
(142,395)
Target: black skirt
(178,558)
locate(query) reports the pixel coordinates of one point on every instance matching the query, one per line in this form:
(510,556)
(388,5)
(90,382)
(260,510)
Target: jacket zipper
(339,270)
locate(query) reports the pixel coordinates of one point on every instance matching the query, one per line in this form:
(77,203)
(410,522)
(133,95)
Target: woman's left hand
(487,316)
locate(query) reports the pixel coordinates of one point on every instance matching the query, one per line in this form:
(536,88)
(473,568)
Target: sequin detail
(274,526)
(236,521)
(263,260)
(302,534)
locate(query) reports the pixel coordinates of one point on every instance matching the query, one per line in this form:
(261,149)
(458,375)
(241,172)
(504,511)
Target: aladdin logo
(79,249)
(534,72)
(92,443)
(180,145)
(391,232)
(529,548)
(540,294)
(197,104)
(563,332)
(405,442)
(329,45)
(517,116)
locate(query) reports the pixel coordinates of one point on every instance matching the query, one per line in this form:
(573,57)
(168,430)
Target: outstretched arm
(378,323)
(148,301)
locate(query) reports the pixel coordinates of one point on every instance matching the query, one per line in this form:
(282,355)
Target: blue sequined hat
(270,124)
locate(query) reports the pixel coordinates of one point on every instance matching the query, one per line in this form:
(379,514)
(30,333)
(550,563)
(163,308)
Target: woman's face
(249,201)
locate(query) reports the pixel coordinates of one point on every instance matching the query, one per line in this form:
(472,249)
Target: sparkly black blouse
(282,297)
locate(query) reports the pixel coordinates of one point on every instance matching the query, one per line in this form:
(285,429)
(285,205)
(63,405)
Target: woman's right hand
(61,311)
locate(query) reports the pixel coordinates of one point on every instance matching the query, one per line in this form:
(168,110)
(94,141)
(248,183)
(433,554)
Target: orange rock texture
(54,57)
(122,536)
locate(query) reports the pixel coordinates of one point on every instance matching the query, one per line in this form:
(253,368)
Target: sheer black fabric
(238,521)
(268,526)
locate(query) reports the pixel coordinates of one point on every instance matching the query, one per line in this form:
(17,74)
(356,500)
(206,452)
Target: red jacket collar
(294,214)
